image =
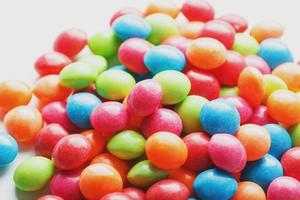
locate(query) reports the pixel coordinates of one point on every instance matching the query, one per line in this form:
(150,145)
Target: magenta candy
(162,120)
(116,196)
(261,116)
(242,107)
(258,63)
(50,197)
(135,193)
(227,152)
(284,188)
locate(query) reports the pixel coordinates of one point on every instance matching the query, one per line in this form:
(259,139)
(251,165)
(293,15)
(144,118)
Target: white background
(28,28)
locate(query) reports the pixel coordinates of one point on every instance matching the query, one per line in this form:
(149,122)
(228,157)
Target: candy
(290,74)
(215,184)
(295,135)
(284,188)
(23,123)
(266,29)
(13,94)
(164,57)
(191,30)
(175,85)
(131,26)
(134,193)
(238,22)
(33,174)
(50,197)
(245,44)
(95,61)
(198,10)
(71,152)
(166,150)
(127,145)
(272,83)
(290,163)
(116,195)
(167,188)
(166,7)
(184,176)
(228,91)
(249,191)
(114,84)
(125,11)
(8,149)
(261,116)
(98,180)
(97,142)
(258,63)
(219,116)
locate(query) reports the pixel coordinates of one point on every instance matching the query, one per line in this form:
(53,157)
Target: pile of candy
(160,110)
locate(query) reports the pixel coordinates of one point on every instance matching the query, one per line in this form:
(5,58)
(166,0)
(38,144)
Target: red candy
(258,63)
(116,196)
(125,11)
(198,10)
(261,116)
(290,162)
(50,197)
(97,142)
(238,22)
(134,193)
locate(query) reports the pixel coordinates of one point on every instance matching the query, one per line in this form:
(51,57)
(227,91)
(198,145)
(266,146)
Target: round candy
(228,91)
(127,145)
(284,106)
(13,94)
(219,116)
(167,188)
(291,162)
(184,176)
(109,117)
(125,11)
(23,123)
(165,7)
(261,116)
(48,89)
(275,52)
(98,180)
(249,191)
(206,53)
(198,10)
(33,174)
(191,30)
(179,42)
(162,119)
(238,22)
(47,138)
(116,195)
(189,111)
(131,26)
(219,30)
(258,63)
(131,54)
(255,139)
(266,29)
(164,57)
(50,197)
(95,61)
(162,26)
(198,158)
(295,135)
(70,42)
(166,150)
(79,108)
(284,188)
(71,152)
(114,84)
(8,149)
(272,83)
(262,171)
(215,184)
(227,153)
(135,193)
(175,85)
(97,142)
(245,44)
(290,74)
(51,63)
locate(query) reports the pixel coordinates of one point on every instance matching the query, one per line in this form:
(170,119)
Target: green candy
(245,44)
(98,62)
(189,111)
(78,75)
(127,145)
(163,26)
(34,173)
(175,85)
(295,135)
(104,44)
(228,91)
(145,174)
(114,84)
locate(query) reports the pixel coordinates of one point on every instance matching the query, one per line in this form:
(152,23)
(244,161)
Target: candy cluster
(160,109)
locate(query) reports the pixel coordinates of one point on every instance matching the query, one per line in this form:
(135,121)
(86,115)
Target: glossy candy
(261,116)
(8,149)
(284,188)
(198,10)
(291,162)
(245,44)
(290,74)
(191,30)
(249,191)
(166,7)
(228,91)
(295,135)
(97,142)
(135,193)
(238,22)
(50,197)
(99,63)
(266,29)
(259,63)
(272,83)
(125,11)
(184,176)
(116,195)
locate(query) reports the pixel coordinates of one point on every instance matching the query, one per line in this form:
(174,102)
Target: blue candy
(8,149)
(164,57)
(280,140)
(219,116)
(80,107)
(215,184)
(275,52)
(130,26)
(262,171)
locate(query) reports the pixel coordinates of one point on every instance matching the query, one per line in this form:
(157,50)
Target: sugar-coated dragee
(170,102)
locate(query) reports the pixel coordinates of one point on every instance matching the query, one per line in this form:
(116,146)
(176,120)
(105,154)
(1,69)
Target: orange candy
(166,150)
(165,7)
(284,107)
(97,142)
(184,176)
(98,180)
(249,191)
(206,53)
(48,89)
(191,30)
(290,74)
(255,139)
(13,94)
(251,86)
(23,123)
(266,29)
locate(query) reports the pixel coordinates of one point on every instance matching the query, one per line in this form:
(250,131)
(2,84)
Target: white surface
(28,28)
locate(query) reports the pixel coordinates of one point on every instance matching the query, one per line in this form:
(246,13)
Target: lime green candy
(78,75)
(245,44)
(163,26)
(104,44)
(295,135)
(114,84)
(145,174)
(98,62)
(271,84)
(175,85)
(228,91)
(34,173)
(127,145)
(189,112)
